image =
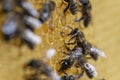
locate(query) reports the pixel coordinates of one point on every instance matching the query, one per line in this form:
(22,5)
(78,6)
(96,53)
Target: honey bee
(41,68)
(28,8)
(88,48)
(8,5)
(32,22)
(72,6)
(11,28)
(46,11)
(79,59)
(86,67)
(70,60)
(30,38)
(86,8)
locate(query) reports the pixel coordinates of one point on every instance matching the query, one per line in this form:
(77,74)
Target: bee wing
(98,51)
(29,7)
(30,36)
(35,23)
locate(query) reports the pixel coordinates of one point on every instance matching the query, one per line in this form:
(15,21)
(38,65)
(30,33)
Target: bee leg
(61,4)
(71,43)
(66,9)
(72,38)
(69,27)
(68,49)
(62,69)
(71,33)
(63,33)
(81,74)
(62,61)
(65,53)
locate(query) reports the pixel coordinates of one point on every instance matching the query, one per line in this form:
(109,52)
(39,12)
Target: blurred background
(103,32)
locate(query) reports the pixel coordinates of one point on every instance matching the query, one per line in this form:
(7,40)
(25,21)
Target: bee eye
(75,31)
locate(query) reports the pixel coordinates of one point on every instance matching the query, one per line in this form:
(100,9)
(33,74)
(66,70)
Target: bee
(81,41)
(66,64)
(76,35)
(8,5)
(28,8)
(22,25)
(72,6)
(11,28)
(33,64)
(32,22)
(70,60)
(40,68)
(90,70)
(86,67)
(46,11)
(30,38)
(86,12)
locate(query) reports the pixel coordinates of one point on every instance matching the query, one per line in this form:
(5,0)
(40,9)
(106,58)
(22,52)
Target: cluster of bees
(23,19)
(79,55)
(82,6)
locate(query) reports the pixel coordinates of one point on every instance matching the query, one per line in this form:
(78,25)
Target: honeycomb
(12,58)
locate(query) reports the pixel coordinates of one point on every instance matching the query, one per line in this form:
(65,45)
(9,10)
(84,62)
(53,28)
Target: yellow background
(103,32)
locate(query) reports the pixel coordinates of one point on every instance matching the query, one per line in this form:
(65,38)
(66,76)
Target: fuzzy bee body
(66,64)
(8,5)
(88,48)
(46,11)
(90,70)
(68,77)
(12,28)
(76,35)
(41,68)
(32,22)
(86,12)
(69,61)
(29,8)
(87,67)
(34,63)
(30,38)
(21,22)
(72,6)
